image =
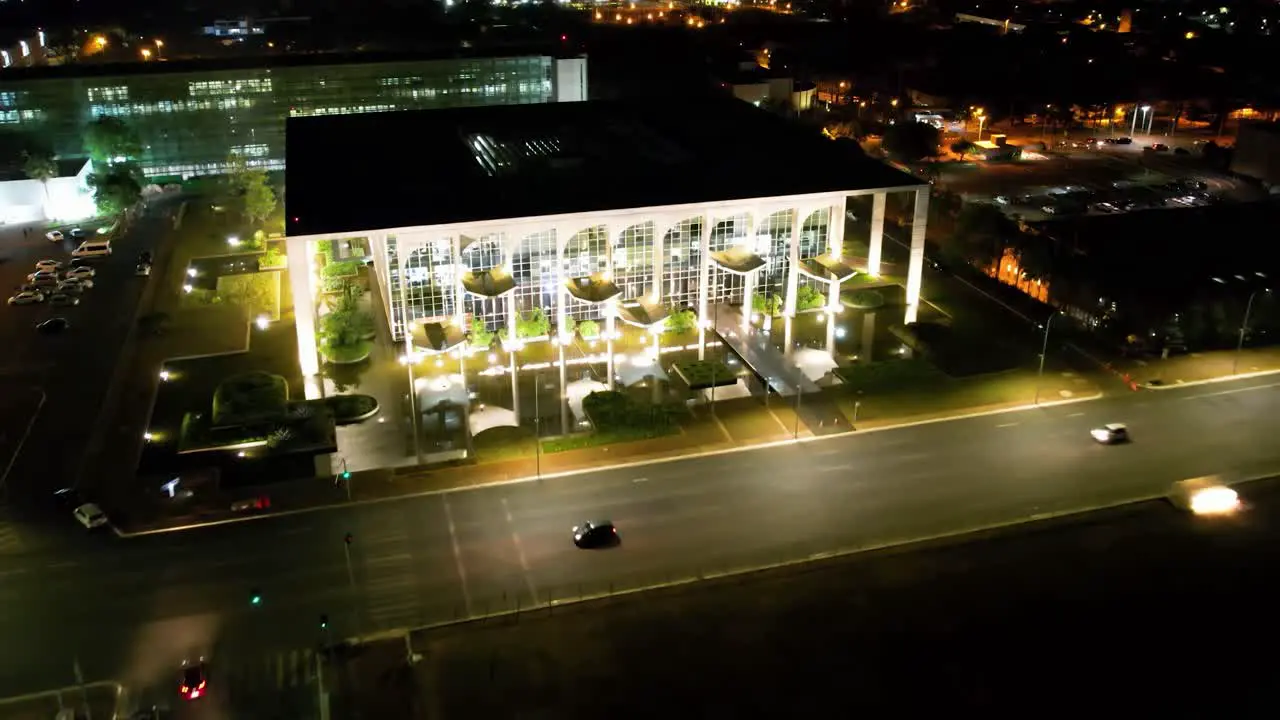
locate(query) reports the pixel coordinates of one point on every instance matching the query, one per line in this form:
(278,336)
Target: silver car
(63,300)
(83,282)
(26,297)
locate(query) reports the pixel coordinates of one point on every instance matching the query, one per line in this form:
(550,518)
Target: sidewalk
(1198,367)
(96,700)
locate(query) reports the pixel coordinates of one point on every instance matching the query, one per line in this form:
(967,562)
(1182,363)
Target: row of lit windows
(8,99)
(344,110)
(13,117)
(169,106)
(108,94)
(210,168)
(250,151)
(250,86)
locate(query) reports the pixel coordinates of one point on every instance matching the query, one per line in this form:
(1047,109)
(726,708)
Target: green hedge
(341,269)
(250,398)
(352,408)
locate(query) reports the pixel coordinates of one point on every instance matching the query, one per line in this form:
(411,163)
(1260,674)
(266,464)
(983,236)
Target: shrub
(250,397)
(255,293)
(589,329)
(352,408)
(532,324)
(771,304)
(272,258)
(341,269)
(866,300)
(809,299)
(481,336)
(681,322)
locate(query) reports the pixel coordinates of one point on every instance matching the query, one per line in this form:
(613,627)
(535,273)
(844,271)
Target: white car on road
(90,516)
(27,297)
(49,265)
(53,236)
(82,271)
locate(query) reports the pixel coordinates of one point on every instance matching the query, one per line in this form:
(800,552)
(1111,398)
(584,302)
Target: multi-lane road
(131,609)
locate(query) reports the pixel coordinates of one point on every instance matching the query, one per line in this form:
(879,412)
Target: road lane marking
(1075,414)
(1006,425)
(524,562)
(1231,392)
(457,554)
(640,480)
(596,470)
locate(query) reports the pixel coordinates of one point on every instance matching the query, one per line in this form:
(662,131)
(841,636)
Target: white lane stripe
(457,555)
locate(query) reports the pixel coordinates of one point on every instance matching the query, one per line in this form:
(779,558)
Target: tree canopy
(117,188)
(911,141)
(251,188)
(109,140)
(983,232)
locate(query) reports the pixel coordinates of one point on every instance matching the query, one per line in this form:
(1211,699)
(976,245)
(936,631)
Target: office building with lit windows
(619,211)
(191,116)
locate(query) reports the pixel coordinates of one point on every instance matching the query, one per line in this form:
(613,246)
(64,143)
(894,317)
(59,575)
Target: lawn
(617,418)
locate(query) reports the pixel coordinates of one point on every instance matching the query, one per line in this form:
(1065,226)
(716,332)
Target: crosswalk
(266,673)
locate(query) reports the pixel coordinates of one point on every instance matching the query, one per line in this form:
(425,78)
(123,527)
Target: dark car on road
(192,685)
(53,326)
(595,534)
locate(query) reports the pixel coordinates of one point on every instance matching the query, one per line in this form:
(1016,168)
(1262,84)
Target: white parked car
(54,236)
(90,516)
(48,265)
(27,297)
(83,282)
(83,271)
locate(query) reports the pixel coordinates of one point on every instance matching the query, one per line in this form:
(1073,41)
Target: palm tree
(43,167)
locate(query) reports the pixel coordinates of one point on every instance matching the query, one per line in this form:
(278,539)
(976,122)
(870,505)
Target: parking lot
(1099,181)
(72,368)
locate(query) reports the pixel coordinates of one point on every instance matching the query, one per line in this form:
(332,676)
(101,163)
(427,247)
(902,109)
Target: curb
(596,469)
(1209,381)
(817,557)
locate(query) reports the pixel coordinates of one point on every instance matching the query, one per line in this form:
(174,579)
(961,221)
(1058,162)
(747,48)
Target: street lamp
(1134,127)
(1044,350)
(1244,328)
(146,54)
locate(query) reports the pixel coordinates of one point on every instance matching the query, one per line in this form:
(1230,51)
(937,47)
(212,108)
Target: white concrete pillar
(915,269)
(562,240)
(704,281)
(610,329)
(876,242)
(835,228)
(793,264)
(659,258)
(564,392)
(788,343)
(298,251)
(748,296)
(833,296)
(459,310)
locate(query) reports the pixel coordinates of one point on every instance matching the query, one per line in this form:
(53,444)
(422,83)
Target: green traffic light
(346,475)
(257,600)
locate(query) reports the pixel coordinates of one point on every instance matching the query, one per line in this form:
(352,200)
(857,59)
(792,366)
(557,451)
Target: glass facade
(191,122)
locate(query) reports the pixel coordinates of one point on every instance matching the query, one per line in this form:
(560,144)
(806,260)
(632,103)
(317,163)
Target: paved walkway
(755,349)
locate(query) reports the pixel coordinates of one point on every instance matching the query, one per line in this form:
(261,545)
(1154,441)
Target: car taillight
(195,694)
(201,686)
(185,690)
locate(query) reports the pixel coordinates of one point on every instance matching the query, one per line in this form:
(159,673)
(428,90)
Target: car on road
(595,534)
(27,297)
(1106,207)
(142,269)
(1158,147)
(63,300)
(78,234)
(1119,141)
(1001,199)
(82,271)
(92,249)
(90,516)
(192,684)
(53,236)
(83,282)
(1111,434)
(54,326)
(48,265)
(69,498)
(70,287)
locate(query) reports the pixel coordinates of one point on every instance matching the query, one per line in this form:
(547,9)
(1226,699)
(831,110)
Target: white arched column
(875,246)
(301,283)
(915,270)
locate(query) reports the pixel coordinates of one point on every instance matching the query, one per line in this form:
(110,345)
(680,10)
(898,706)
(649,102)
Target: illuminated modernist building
(606,211)
(193,115)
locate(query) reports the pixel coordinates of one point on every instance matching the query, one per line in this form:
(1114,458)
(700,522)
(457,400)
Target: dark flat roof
(350,173)
(249,62)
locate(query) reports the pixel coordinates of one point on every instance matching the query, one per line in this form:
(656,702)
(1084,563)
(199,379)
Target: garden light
(233,241)
(147,436)
(191,272)
(187,288)
(262,322)
(164,376)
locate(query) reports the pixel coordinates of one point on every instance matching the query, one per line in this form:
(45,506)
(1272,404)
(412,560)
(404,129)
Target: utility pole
(795,433)
(537,425)
(1244,329)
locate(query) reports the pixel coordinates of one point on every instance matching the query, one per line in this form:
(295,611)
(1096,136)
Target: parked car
(63,300)
(83,272)
(48,265)
(43,278)
(143,269)
(70,287)
(78,234)
(53,236)
(83,282)
(27,297)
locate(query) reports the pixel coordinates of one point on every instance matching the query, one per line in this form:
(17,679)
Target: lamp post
(1134,126)
(537,425)
(1044,350)
(1244,328)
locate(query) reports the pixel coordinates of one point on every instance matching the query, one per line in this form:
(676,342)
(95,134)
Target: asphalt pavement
(72,369)
(132,609)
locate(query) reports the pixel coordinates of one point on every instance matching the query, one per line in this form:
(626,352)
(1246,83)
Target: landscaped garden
(251,411)
(617,417)
(346,332)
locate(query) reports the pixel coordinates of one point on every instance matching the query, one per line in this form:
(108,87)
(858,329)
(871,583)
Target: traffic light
(348,538)
(255,597)
(346,474)
(324,622)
